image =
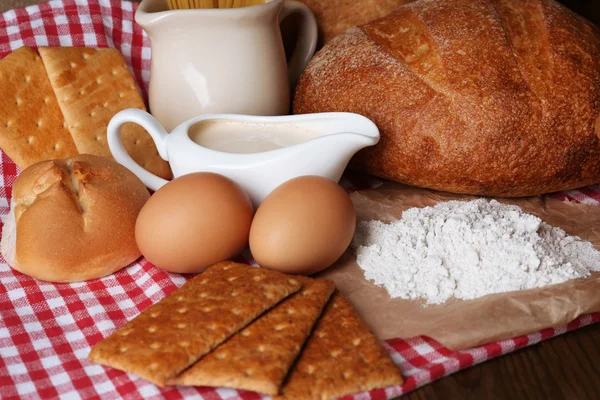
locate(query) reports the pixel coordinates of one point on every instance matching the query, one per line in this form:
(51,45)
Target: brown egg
(193,222)
(303,226)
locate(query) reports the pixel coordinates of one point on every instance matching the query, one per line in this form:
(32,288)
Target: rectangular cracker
(341,357)
(259,357)
(91,86)
(32,127)
(173,334)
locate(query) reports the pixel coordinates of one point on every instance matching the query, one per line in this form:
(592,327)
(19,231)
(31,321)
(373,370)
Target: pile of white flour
(467,250)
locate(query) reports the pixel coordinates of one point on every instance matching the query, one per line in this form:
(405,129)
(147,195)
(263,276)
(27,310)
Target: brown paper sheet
(460,324)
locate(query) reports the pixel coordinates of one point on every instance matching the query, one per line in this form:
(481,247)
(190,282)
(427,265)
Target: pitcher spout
(150,12)
(155,13)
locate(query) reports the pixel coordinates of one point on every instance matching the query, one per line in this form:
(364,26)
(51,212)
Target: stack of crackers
(253,329)
(58,103)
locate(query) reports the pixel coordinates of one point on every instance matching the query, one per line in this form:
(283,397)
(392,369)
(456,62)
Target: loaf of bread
(337,16)
(488,97)
(73,220)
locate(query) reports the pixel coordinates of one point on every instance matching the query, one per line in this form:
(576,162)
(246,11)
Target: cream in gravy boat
(259,153)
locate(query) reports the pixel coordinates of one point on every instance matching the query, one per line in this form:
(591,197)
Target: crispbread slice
(341,357)
(259,357)
(92,85)
(32,127)
(174,333)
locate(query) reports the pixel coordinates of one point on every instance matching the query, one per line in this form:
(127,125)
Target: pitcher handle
(306,44)
(115,144)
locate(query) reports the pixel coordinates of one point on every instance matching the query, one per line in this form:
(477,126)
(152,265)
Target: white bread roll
(73,220)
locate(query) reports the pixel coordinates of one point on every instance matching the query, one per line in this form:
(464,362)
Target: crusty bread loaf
(74,219)
(490,97)
(336,16)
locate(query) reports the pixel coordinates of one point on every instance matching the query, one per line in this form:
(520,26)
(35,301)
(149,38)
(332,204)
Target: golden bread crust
(488,97)
(337,16)
(75,218)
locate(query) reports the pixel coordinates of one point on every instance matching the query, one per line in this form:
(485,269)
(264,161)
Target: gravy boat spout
(342,136)
(322,145)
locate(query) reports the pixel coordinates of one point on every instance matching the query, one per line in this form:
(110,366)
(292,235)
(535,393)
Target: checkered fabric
(47,330)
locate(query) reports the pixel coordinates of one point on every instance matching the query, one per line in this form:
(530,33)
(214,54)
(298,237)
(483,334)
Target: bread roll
(73,220)
(487,97)
(336,16)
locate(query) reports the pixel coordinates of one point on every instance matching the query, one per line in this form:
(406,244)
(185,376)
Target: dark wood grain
(566,367)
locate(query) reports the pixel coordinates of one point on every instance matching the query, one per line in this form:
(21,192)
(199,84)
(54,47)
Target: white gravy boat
(335,138)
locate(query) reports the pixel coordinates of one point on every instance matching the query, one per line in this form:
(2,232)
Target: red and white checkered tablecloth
(47,330)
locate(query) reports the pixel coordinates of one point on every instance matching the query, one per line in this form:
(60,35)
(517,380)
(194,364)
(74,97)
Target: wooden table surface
(567,367)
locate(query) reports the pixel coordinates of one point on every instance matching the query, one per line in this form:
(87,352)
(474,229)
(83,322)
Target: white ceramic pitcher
(338,137)
(223,60)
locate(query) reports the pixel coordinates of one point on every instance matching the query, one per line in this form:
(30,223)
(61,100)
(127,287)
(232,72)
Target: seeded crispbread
(32,127)
(91,86)
(259,357)
(174,333)
(341,357)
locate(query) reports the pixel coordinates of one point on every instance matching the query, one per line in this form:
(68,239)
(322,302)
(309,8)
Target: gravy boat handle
(115,143)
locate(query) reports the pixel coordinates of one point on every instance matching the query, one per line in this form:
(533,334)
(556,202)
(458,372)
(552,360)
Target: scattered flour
(468,250)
